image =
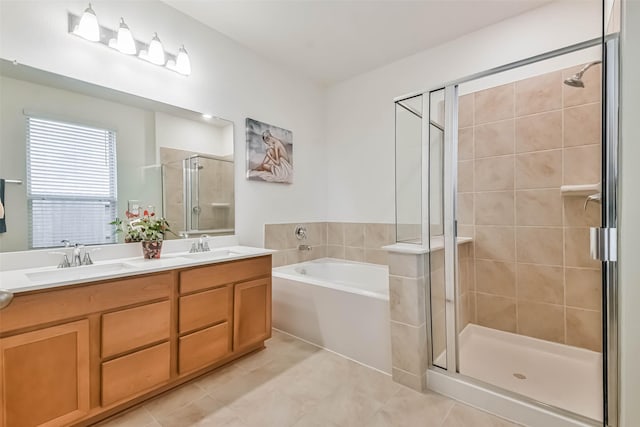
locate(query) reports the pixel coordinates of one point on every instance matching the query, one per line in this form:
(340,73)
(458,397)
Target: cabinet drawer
(221,274)
(204,347)
(135,327)
(205,308)
(65,303)
(129,375)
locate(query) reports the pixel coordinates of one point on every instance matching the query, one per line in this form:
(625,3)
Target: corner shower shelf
(220,205)
(579,190)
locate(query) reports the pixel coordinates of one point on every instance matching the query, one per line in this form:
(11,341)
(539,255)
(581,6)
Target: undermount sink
(76,272)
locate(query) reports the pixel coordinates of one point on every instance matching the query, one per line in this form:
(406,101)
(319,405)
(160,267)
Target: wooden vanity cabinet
(44,377)
(72,356)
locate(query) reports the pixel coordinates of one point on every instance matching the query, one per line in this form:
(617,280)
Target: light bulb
(88,27)
(125,42)
(155,54)
(183,64)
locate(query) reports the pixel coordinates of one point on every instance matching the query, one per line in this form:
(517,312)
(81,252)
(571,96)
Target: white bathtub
(340,305)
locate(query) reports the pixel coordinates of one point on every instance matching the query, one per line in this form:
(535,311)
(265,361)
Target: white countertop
(30,279)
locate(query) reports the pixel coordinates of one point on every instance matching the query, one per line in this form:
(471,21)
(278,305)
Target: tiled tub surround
(342,240)
(518,143)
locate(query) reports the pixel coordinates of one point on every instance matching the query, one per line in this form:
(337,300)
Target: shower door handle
(603,244)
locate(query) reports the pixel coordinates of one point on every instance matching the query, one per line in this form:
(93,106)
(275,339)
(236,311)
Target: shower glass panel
(436,229)
(528,294)
(409,135)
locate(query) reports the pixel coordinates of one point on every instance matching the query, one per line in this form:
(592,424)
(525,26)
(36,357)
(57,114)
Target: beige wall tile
(466,230)
(408,348)
(582,165)
(496,312)
(354,254)
(541,169)
(316,234)
(354,234)
(334,251)
(582,125)
(465,208)
(278,259)
(577,249)
(376,256)
(465,176)
(293,256)
(335,233)
(494,139)
(494,208)
(279,236)
(591,91)
(494,104)
(584,288)
(539,132)
(407,265)
(538,207)
(539,94)
(465,144)
(541,283)
(584,329)
(376,235)
(496,277)
(539,245)
(465,110)
(494,173)
(539,320)
(415,382)
(406,300)
(576,215)
(496,243)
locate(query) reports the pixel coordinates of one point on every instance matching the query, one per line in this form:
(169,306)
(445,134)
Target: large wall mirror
(74,156)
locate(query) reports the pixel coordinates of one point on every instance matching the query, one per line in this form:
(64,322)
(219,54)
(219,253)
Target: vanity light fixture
(182,63)
(155,53)
(124,41)
(87,27)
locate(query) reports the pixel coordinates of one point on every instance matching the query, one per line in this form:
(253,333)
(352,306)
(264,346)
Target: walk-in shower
(501,166)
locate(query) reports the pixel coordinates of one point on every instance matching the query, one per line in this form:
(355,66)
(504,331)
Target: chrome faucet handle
(77,255)
(194,248)
(67,244)
(65,262)
(86,260)
(204,243)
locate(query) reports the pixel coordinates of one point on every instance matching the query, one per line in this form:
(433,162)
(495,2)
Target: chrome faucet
(201,246)
(77,258)
(305,247)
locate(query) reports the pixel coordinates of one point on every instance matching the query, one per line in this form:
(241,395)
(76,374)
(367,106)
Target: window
(71,183)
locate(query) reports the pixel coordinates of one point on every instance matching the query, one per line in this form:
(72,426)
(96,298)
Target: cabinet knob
(5,298)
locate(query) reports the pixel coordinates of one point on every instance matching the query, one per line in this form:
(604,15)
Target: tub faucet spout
(304,247)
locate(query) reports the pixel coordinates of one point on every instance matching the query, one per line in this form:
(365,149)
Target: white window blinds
(71,183)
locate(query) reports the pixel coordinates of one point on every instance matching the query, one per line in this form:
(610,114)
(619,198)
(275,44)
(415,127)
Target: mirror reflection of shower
(199,194)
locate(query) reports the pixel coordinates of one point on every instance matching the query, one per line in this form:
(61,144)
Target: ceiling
(331,41)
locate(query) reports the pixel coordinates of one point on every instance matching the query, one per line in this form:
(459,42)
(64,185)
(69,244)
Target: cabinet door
(44,376)
(251,313)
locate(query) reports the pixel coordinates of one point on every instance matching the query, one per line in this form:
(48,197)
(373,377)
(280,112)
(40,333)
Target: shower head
(576,79)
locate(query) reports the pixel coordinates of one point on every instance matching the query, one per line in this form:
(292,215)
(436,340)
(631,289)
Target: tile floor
(292,383)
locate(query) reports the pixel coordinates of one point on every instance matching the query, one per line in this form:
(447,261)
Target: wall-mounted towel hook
(591,198)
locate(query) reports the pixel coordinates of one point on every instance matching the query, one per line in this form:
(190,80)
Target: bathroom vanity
(79,352)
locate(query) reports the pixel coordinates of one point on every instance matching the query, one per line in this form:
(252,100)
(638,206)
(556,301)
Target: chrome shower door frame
(609,220)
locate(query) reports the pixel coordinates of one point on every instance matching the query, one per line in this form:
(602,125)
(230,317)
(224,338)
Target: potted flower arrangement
(147,229)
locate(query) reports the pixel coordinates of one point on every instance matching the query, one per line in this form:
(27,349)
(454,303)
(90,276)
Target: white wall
(629,232)
(189,135)
(360,111)
(227,80)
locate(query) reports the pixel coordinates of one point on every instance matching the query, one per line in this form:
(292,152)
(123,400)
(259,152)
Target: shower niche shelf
(579,190)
